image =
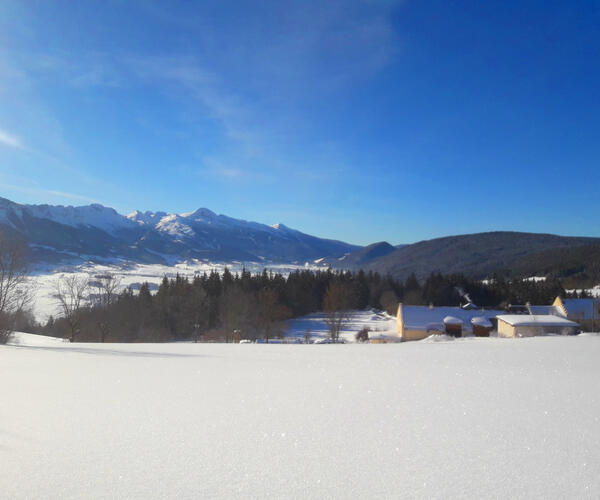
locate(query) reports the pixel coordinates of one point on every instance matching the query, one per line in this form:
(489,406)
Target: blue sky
(355,120)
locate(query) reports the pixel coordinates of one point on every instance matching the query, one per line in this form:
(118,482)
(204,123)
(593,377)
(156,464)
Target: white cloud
(231,173)
(10,140)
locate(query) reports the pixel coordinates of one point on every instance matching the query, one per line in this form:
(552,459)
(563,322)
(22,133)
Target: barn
(530,325)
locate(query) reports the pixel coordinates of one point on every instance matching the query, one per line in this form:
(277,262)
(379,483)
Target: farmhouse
(586,312)
(418,322)
(530,325)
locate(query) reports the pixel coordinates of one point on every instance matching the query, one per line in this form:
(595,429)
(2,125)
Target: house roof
(481,321)
(536,320)
(582,308)
(452,320)
(419,317)
(555,311)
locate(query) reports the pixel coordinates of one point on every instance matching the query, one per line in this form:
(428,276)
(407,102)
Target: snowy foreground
(470,418)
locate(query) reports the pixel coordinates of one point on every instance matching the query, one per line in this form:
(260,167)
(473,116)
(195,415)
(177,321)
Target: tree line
(226,306)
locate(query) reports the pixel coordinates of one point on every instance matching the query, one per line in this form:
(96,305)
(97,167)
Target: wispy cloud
(230,173)
(263,82)
(45,193)
(10,140)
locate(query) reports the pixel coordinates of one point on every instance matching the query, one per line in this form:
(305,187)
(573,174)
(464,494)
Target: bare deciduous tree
(72,295)
(269,314)
(14,292)
(105,288)
(307,336)
(336,302)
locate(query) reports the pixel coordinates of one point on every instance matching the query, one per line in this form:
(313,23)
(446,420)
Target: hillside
(358,258)
(577,267)
(476,255)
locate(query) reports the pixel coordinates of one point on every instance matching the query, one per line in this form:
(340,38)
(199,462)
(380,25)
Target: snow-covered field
(379,323)
(469,418)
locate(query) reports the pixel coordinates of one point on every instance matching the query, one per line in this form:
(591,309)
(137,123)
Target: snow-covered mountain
(95,232)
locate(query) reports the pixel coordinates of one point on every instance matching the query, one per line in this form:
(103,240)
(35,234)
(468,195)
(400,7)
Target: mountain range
(58,234)
(98,233)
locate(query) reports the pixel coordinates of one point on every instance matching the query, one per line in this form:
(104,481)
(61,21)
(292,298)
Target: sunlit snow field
(469,418)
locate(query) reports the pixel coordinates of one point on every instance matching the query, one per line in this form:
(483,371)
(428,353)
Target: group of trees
(495,292)
(15,295)
(227,307)
(214,306)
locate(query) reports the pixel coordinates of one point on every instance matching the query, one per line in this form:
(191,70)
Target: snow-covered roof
(553,310)
(582,308)
(535,320)
(481,321)
(419,317)
(452,320)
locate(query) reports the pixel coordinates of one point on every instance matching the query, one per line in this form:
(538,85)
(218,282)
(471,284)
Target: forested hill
(479,255)
(577,267)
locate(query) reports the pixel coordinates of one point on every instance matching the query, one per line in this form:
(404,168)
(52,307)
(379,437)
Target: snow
(201,215)
(553,310)
(173,225)
(467,418)
(33,340)
(535,320)
(594,292)
(452,320)
(380,324)
(481,321)
(188,224)
(418,317)
(95,215)
(146,218)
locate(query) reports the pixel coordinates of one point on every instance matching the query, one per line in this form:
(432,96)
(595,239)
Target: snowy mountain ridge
(57,233)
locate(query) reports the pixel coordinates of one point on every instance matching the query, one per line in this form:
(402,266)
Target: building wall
(589,325)
(505,330)
(509,331)
(559,304)
(415,334)
(400,321)
(406,333)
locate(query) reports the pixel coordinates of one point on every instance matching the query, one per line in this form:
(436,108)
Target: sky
(356,120)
